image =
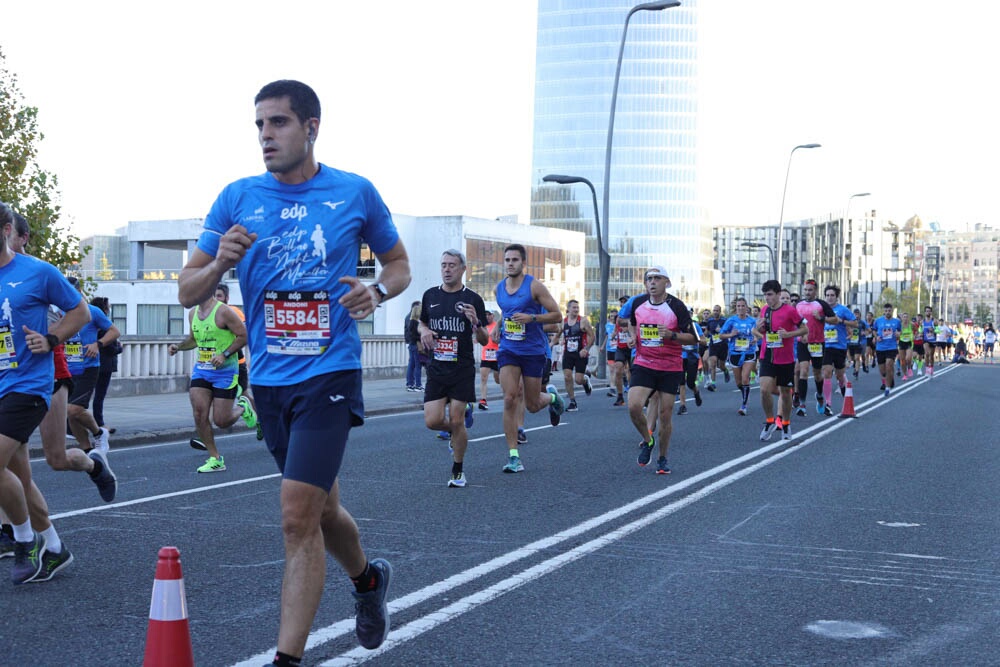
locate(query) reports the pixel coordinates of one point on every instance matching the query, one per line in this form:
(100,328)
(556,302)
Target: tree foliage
(24,185)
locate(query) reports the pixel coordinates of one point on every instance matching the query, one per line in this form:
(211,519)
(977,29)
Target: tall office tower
(655,217)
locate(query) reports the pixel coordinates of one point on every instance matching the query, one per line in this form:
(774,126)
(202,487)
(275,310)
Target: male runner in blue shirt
(299,229)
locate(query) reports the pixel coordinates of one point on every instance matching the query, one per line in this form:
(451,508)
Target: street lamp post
(781,216)
(650,7)
(603,259)
(770,251)
(846,271)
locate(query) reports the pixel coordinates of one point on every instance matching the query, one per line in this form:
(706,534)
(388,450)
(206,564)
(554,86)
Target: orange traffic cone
(168,638)
(848,410)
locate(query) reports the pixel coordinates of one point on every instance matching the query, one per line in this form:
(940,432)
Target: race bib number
(649,334)
(887,334)
(742,344)
(74,352)
(774,340)
(854,338)
(513,330)
(830,335)
(204,359)
(297,322)
(815,349)
(8,355)
(713,339)
(572,345)
(446,349)
(906,335)
(490,354)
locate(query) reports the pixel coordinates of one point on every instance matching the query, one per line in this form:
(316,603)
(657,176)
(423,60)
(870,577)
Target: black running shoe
(198,444)
(52,563)
(587,387)
(107,483)
(646,451)
(522,437)
(372,622)
(27,559)
(697,398)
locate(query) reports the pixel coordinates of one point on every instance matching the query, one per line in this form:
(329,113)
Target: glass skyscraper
(655,217)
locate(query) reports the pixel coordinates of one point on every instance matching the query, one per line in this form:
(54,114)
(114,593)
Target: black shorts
(456,386)
(702,349)
(903,345)
(918,348)
(719,350)
(853,349)
(202,383)
(64,382)
(988,347)
(572,361)
(882,356)
(83,387)
(306,424)
(492,365)
(243,379)
(665,382)
(783,374)
(802,354)
(942,346)
(834,357)
(623,355)
(871,344)
(20,415)
(734,359)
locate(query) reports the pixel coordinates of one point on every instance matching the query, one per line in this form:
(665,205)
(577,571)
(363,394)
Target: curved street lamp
(602,257)
(846,275)
(770,251)
(781,216)
(647,7)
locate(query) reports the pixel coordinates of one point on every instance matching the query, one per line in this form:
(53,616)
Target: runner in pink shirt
(660,325)
(779,324)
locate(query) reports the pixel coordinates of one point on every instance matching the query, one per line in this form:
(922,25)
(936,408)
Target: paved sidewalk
(142,419)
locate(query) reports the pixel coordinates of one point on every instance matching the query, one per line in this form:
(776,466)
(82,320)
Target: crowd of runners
(293,235)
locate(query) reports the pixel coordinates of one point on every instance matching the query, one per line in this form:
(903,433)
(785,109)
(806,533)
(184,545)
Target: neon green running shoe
(213,464)
(249,414)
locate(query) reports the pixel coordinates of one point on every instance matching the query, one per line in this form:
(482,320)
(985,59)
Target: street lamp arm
(781,215)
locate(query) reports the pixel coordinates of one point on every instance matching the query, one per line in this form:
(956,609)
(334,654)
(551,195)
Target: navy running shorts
(306,424)
(531,365)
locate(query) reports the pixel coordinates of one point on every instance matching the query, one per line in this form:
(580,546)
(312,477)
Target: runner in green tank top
(217,334)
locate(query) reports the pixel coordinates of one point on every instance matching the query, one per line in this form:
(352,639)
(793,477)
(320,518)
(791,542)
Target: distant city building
(655,216)
(878,254)
(960,269)
(745,257)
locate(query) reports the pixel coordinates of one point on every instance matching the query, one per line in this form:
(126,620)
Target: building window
(366,263)
(118,316)
(160,320)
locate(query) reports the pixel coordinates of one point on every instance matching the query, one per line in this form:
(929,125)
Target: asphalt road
(861,542)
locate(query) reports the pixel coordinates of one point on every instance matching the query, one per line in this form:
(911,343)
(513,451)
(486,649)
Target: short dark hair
(771,286)
(301,98)
(832,288)
(888,305)
(571,302)
(20,224)
(6,215)
(518,248)
(224,288)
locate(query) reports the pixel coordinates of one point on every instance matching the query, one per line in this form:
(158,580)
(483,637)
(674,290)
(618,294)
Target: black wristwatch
(227,353)
(382,292)
(53,341)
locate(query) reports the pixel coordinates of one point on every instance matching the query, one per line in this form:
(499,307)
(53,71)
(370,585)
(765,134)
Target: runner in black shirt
(449,316)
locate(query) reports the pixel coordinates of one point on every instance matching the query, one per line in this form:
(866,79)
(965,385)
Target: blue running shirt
(308,236)
(77,345)
(886,333)
(835,335)
(28,286)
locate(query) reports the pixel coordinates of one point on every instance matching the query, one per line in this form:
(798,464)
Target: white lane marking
(433,619)
(162,496)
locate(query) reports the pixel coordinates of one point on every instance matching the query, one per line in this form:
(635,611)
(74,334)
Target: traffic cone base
(848,410)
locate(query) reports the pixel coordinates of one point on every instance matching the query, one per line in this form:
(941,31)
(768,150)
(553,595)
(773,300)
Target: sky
(147,108)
